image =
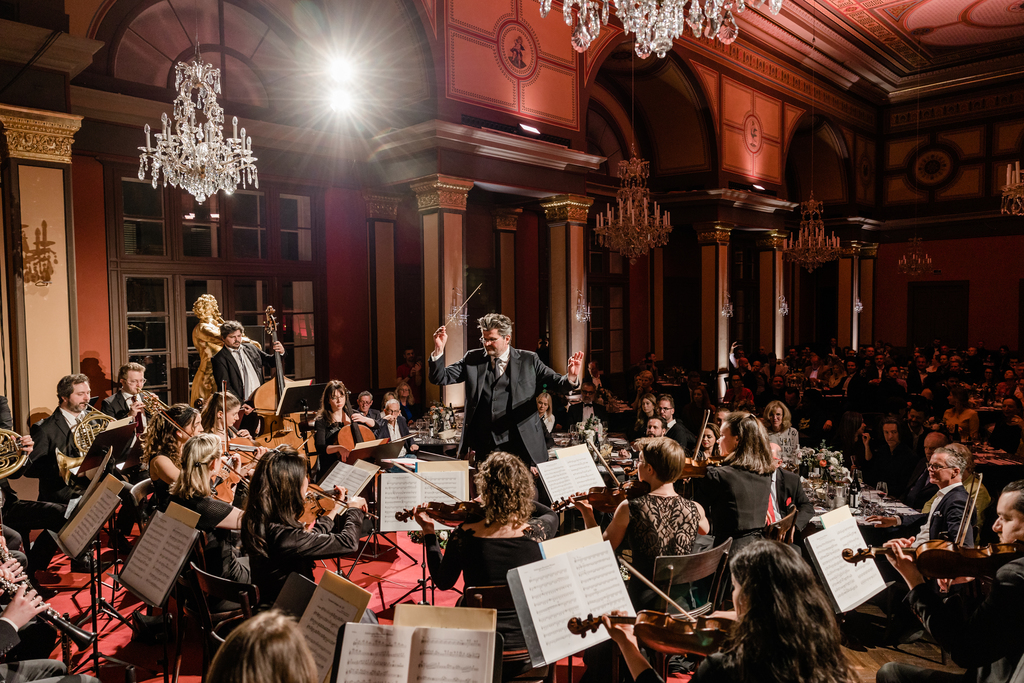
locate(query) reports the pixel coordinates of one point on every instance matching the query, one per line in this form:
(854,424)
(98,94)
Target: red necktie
(139,427)
(770,516)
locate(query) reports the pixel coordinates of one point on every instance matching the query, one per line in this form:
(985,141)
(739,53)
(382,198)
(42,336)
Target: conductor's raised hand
(440,339)
(573,366)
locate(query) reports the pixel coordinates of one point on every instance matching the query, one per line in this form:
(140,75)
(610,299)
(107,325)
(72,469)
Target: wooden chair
(139,493)
(207,588)
(500,597)
(784,529)
(675,571)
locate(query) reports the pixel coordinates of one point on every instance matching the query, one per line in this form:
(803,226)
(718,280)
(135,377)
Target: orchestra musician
(509,536)
(275,540)
(331,419)
(241,365)
(127,402)
(986,641)
(161,448)
(54,433)
(200,464)
(501,383)
(268,647)
(213,419)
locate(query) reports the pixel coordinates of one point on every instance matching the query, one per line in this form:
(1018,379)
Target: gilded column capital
(506,220)
(773,240)
(713,234)
(850,248)
(869,250)
(438,192)
(567,207)
(381,205)
(38,135)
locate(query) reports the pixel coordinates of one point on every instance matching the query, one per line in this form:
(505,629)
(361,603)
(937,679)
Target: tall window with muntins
(296,332)
(248,224)
(147,328)
(200,226)
(142,209)
(251,300)
(295,227)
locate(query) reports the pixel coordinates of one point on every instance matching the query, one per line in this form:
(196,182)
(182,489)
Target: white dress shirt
(250,380)
(71,418)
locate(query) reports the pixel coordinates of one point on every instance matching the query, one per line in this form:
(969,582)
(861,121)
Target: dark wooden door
(937,310)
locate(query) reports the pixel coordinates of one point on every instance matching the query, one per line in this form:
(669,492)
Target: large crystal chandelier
(636,226)
(812,247)
(1013,192)
(915,261)
(196,156)
(656,22)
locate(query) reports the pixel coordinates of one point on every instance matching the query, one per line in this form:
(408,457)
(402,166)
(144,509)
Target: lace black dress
(658,525)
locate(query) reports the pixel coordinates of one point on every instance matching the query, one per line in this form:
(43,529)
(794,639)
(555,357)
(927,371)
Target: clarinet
(81,637)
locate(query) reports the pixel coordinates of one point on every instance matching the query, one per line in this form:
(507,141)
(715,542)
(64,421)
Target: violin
(946,560)
(666,633)
(225,489)
(605,499)
(449,514)
(319,503)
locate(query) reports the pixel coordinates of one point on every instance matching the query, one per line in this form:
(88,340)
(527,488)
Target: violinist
(708,448)
(161,447)
(334,416)
(272,535)
(200,464)
(987,641)
(509,536)
(213,419)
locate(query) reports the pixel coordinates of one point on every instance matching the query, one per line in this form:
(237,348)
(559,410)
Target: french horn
(89,426)
(12,457)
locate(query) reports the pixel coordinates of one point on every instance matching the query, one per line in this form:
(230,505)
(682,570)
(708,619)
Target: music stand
(298,397)
(117,439)
(375,532)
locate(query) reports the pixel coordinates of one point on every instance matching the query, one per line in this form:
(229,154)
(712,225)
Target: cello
(276,430)
(354,432)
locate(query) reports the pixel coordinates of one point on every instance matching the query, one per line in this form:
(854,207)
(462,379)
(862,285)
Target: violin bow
(426,481)
(597,454)
(459,309)
(661,594)
(700,434)
(972,501)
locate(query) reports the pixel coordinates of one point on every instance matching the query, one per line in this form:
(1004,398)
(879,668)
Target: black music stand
(298,398)
(375,532)
(117,439)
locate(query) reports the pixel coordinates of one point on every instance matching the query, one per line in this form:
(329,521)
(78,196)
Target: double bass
(278,430)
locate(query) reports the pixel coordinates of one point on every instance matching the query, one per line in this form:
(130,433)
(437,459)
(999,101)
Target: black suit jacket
(50,434)
(8,638)
(575,413)
(736,501)
(683,436)
(945,521)
(788,491)
(914,383)
(115,406)
(225,368)
(526,373)
(382,431)
(6,419)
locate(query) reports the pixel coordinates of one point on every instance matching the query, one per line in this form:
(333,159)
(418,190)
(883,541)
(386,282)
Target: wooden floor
(863,632)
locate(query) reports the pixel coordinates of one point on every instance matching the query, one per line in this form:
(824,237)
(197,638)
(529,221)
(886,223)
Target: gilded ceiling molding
(849,249)
(869,250)
(902,118)
(442,192)
(506,220)
(716,234)
(567,207)
(38,135)
(774,240)
(381,206)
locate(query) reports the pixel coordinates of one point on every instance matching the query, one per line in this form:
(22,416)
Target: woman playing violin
(161,447)
(709,448)
(506,538)
(200,464)
(332,418)
(272,535)
(213,419)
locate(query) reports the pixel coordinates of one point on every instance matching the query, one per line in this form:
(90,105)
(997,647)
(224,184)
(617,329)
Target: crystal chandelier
(858,307)
(634,229)
(727,309)
(196,156)
(783,306)
(656,22)
(582,307)
(1013,192)
(915,262)
(812,247)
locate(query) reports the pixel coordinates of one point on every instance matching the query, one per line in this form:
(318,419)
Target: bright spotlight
(529,129)
(342,101)
(342,70)
(758,187)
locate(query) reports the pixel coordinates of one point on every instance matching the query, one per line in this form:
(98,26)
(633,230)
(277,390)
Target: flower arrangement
(591,430)
(828,461)
(442,537)
(440,417)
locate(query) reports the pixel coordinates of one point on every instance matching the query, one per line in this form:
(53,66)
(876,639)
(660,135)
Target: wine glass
(883,489)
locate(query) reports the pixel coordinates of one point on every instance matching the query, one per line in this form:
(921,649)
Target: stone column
(713,239)
(868,256)
(771,322)
(442,204)
(381,216)
(848,332)
(38,281)
(567,270)
(505,223)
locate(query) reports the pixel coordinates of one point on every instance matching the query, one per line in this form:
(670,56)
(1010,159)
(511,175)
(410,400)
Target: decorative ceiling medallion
(753,137)
(518,50)
(933,167)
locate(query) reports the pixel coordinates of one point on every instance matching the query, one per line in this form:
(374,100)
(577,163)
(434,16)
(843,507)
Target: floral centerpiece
(828,461)
(591,430)
(440,418)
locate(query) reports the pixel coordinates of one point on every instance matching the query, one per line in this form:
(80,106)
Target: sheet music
(320,621)
(448,655)
(584,471)
(597,572)
(848,585)
(157,558)
(402,491)
(569,475)
(350,477)
(88,522)
(374,652)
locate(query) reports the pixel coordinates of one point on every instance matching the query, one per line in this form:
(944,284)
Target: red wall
(348,299)
(994,267)
(638,334)
(527,323)
(91,273)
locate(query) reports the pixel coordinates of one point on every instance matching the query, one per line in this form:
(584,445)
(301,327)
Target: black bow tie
(588,405)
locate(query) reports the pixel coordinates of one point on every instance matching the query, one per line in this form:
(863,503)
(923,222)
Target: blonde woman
(779,423)
(268,647)
(547,415)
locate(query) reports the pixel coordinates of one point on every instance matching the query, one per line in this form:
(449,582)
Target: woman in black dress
(272,535)
(165,434)
(331,419)
(508,537)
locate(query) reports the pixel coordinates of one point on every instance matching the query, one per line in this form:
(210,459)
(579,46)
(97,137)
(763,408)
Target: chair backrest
(488,597)
(206,586)
(140,492)
(783,529)
(675,570)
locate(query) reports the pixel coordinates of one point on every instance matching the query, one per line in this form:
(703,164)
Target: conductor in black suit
(501,383)
(580,412)
(241,365)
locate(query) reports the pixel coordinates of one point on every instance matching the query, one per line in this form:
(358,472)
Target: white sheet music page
(557,479)
(325,613)
(597,572)
(97,510)
(584,471)
(375,652)
(849,585)
(398,491)
(554,597)
(155,561)
(448,655)
(350,477)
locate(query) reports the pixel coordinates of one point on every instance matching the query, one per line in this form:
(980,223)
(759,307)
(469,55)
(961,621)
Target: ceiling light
(341,101)
(758,187)
(343,70)
(529,129)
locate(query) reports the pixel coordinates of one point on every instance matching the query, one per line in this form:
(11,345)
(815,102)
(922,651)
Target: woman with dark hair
(165,434)
(961,417)
(268,647)
(331,419)
(737,492)
(200,465)
(692,414)
(647,409)
(708,447)
(1006,433)
(214,419)
(272,535)
(784,630)
(509,536)
(852,439)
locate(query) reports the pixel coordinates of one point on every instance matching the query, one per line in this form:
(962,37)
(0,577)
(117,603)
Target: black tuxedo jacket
(575,413)
(50,434)
(225,368)
(736,502)
(945,521)
(682,436)
(6,419)
(115,406)
(382,431)
(526,373)
(914,383)
(788,491)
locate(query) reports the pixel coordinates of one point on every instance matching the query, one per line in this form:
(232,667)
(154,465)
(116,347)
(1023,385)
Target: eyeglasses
(936,468)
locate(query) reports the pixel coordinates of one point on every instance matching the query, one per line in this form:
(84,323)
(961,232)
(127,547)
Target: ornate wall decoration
(567,207)
(38,136)
(381,206)
(933,167)
(751,132)
(718,234)
(442,193)
(506,220)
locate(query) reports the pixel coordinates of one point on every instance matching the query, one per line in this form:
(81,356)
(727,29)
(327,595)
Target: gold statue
(206,339)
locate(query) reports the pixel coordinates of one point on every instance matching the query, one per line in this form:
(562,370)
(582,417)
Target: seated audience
(1006,432)
(547,414)
(648,408)
(889,461)
(778,421)
(961,419)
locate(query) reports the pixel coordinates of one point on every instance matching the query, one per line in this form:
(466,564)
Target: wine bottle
(854,491)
